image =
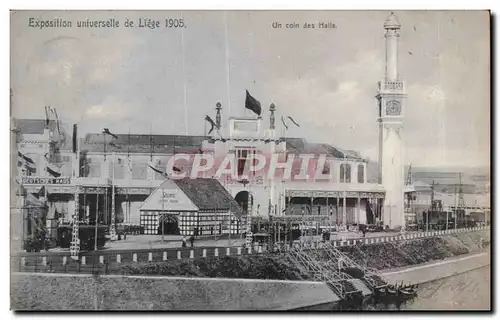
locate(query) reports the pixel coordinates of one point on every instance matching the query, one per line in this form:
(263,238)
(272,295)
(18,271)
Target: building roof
(392,21)
(33,126)
(299,145)
(142,143)
(145,143)
(208,194)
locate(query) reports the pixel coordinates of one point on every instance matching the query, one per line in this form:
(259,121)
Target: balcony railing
(396,85)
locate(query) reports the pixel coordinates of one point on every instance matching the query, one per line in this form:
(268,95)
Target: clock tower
(391,102)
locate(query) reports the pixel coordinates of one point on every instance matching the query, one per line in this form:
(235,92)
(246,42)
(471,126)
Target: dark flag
(41,192)
(212,123)
(294,122)
(106,131)
(26,162)
(53,172)
(25,158)
(253,104)
(158,170)
(46,116)
(75,138)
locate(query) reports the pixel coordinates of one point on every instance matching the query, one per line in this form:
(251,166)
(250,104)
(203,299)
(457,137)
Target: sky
(166,79)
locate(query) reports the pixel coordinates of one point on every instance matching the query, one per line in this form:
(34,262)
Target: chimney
(217,116)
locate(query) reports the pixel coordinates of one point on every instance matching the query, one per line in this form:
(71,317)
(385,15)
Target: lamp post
(113,212)
(162,215)
(97,215)
(344,202)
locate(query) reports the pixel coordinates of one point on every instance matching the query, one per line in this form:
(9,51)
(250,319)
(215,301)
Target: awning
(61,189)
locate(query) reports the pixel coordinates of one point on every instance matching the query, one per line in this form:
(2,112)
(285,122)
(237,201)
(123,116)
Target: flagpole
(228,74)
(97,214)
(184,78)
(151,142)
(204,130)
(344,203)
(163,215)
(113,218)
(129,173)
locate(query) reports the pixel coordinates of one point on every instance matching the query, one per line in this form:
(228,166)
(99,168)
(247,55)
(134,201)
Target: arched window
(345,173)
(361,173)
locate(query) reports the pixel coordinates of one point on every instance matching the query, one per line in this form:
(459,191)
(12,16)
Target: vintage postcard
(250,160)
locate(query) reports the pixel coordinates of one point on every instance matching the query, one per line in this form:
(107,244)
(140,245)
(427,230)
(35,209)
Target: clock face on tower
(393,108)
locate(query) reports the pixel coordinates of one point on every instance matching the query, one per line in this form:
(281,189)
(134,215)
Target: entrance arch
(170,224)
(245,200)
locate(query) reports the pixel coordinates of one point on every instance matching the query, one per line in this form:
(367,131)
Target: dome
(392,22)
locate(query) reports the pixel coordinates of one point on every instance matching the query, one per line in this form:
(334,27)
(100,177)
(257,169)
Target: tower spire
(392,30)
(391,99)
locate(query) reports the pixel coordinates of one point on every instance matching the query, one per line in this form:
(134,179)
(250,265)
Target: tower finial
(392,22)
(272,108)
(218,107)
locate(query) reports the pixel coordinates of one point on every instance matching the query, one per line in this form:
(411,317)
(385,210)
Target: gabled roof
(208,194)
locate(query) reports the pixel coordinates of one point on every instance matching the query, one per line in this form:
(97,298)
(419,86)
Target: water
(466,291)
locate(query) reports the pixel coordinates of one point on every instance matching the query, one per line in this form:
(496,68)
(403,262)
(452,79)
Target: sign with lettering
(169,196)
(43,180)
(130,191)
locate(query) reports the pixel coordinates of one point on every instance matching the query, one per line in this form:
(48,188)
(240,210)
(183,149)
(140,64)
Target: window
(119,170)
(241,156)
(94,168)
(361,173)
(139,171)
(326,168)
(345,173)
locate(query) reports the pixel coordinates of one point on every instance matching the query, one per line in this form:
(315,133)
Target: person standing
(191,239)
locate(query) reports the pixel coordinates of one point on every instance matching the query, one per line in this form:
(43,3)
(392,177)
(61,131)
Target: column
(312,205)
(354,173)
(358,205)
(344,210)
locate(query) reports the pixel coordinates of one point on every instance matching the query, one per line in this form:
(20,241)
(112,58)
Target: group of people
(185,239)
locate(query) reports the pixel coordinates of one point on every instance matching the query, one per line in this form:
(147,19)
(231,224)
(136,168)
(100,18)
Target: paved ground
(144,242)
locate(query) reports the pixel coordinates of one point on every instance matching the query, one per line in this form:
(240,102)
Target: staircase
(372,276)
(338,282)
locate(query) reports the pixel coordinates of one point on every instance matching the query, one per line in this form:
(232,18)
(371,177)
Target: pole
(162,215)
(96,215)
(113,217)
(432,204)
(456,211)
(229,239)
(447,219)
(344,203)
